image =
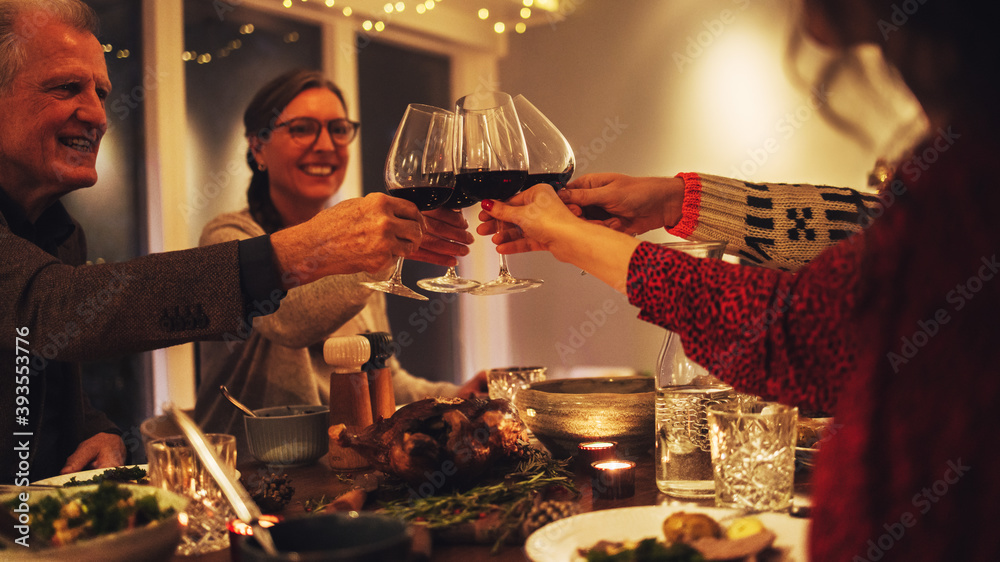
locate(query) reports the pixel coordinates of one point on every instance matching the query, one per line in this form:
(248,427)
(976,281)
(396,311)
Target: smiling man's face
(53,114)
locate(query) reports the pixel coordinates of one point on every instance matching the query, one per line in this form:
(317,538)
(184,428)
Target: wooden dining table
(319,480)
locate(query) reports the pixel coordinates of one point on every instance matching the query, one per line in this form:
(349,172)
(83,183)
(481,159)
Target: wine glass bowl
(419,168)
(550,156)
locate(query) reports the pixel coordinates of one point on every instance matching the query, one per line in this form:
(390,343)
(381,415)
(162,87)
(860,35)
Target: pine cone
(272,493)
(544,512)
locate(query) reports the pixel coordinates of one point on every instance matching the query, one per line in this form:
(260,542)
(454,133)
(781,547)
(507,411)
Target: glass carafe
(683,391)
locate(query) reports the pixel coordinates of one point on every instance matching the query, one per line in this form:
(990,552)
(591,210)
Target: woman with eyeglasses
(298,131)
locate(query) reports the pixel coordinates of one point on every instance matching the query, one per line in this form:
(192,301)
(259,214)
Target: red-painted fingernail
(487,204)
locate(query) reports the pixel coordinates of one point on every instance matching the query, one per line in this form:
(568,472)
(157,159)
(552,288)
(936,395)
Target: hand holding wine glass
(419,168)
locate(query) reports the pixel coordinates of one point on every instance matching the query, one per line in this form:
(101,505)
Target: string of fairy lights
(528,9)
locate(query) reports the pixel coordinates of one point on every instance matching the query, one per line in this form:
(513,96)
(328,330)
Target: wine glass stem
(504,272)
(397,273)
(451,273)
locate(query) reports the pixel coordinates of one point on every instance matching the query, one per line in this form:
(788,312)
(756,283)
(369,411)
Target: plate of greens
(134,474)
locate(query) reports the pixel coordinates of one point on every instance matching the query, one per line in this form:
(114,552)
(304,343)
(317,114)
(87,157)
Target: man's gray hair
(73,13)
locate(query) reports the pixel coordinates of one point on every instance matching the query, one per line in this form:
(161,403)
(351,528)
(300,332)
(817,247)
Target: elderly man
(53,86)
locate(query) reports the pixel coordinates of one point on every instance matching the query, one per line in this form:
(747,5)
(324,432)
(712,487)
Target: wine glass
(491,163)
(450,282)
(550,157)
(420,168)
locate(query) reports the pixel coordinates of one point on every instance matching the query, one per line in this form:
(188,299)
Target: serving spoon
(237,403)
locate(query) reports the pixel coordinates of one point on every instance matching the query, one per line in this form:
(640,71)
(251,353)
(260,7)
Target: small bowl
(503,383)
(155,542)
(358,537)
(288,435)
(563,413)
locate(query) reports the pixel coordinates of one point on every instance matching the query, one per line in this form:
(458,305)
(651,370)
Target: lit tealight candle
(613,479)
(238,529)
(589,452)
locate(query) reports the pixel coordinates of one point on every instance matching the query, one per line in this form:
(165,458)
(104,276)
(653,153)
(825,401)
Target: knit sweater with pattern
(780,226)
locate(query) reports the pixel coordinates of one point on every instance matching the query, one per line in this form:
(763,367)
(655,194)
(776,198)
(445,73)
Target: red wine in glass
(557,180)
(419,168)
(426,198)
(491,184)
(459,200)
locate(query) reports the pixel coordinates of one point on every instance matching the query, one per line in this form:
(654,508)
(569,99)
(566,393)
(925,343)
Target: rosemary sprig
(512,497)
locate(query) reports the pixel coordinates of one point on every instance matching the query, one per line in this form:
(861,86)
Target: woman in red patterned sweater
(893,330)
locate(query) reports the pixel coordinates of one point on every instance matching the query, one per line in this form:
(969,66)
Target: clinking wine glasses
(491,163)
(420,168)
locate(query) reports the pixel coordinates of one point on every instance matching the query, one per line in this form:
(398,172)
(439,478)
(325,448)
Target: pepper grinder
(383,397)
(350,401)
(360,390)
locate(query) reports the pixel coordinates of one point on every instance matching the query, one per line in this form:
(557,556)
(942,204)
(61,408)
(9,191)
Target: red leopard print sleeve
(742,322)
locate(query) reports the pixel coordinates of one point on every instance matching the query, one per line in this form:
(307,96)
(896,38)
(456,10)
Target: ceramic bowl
(288,435)
(562,413)
(358,537)
(154,542)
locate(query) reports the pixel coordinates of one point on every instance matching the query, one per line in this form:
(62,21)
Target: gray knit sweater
(281,361)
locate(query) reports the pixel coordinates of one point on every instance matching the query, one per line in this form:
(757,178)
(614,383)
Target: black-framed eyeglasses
(305,130)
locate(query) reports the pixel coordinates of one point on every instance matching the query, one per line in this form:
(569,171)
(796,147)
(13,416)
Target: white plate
(559,541)
(81,476)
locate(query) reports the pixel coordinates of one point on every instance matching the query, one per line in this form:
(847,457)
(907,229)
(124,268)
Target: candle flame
(614,465)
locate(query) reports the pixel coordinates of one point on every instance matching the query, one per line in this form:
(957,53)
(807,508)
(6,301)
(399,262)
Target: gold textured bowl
(562,413)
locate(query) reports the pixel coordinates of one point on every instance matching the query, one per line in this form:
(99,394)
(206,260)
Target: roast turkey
(456,439)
